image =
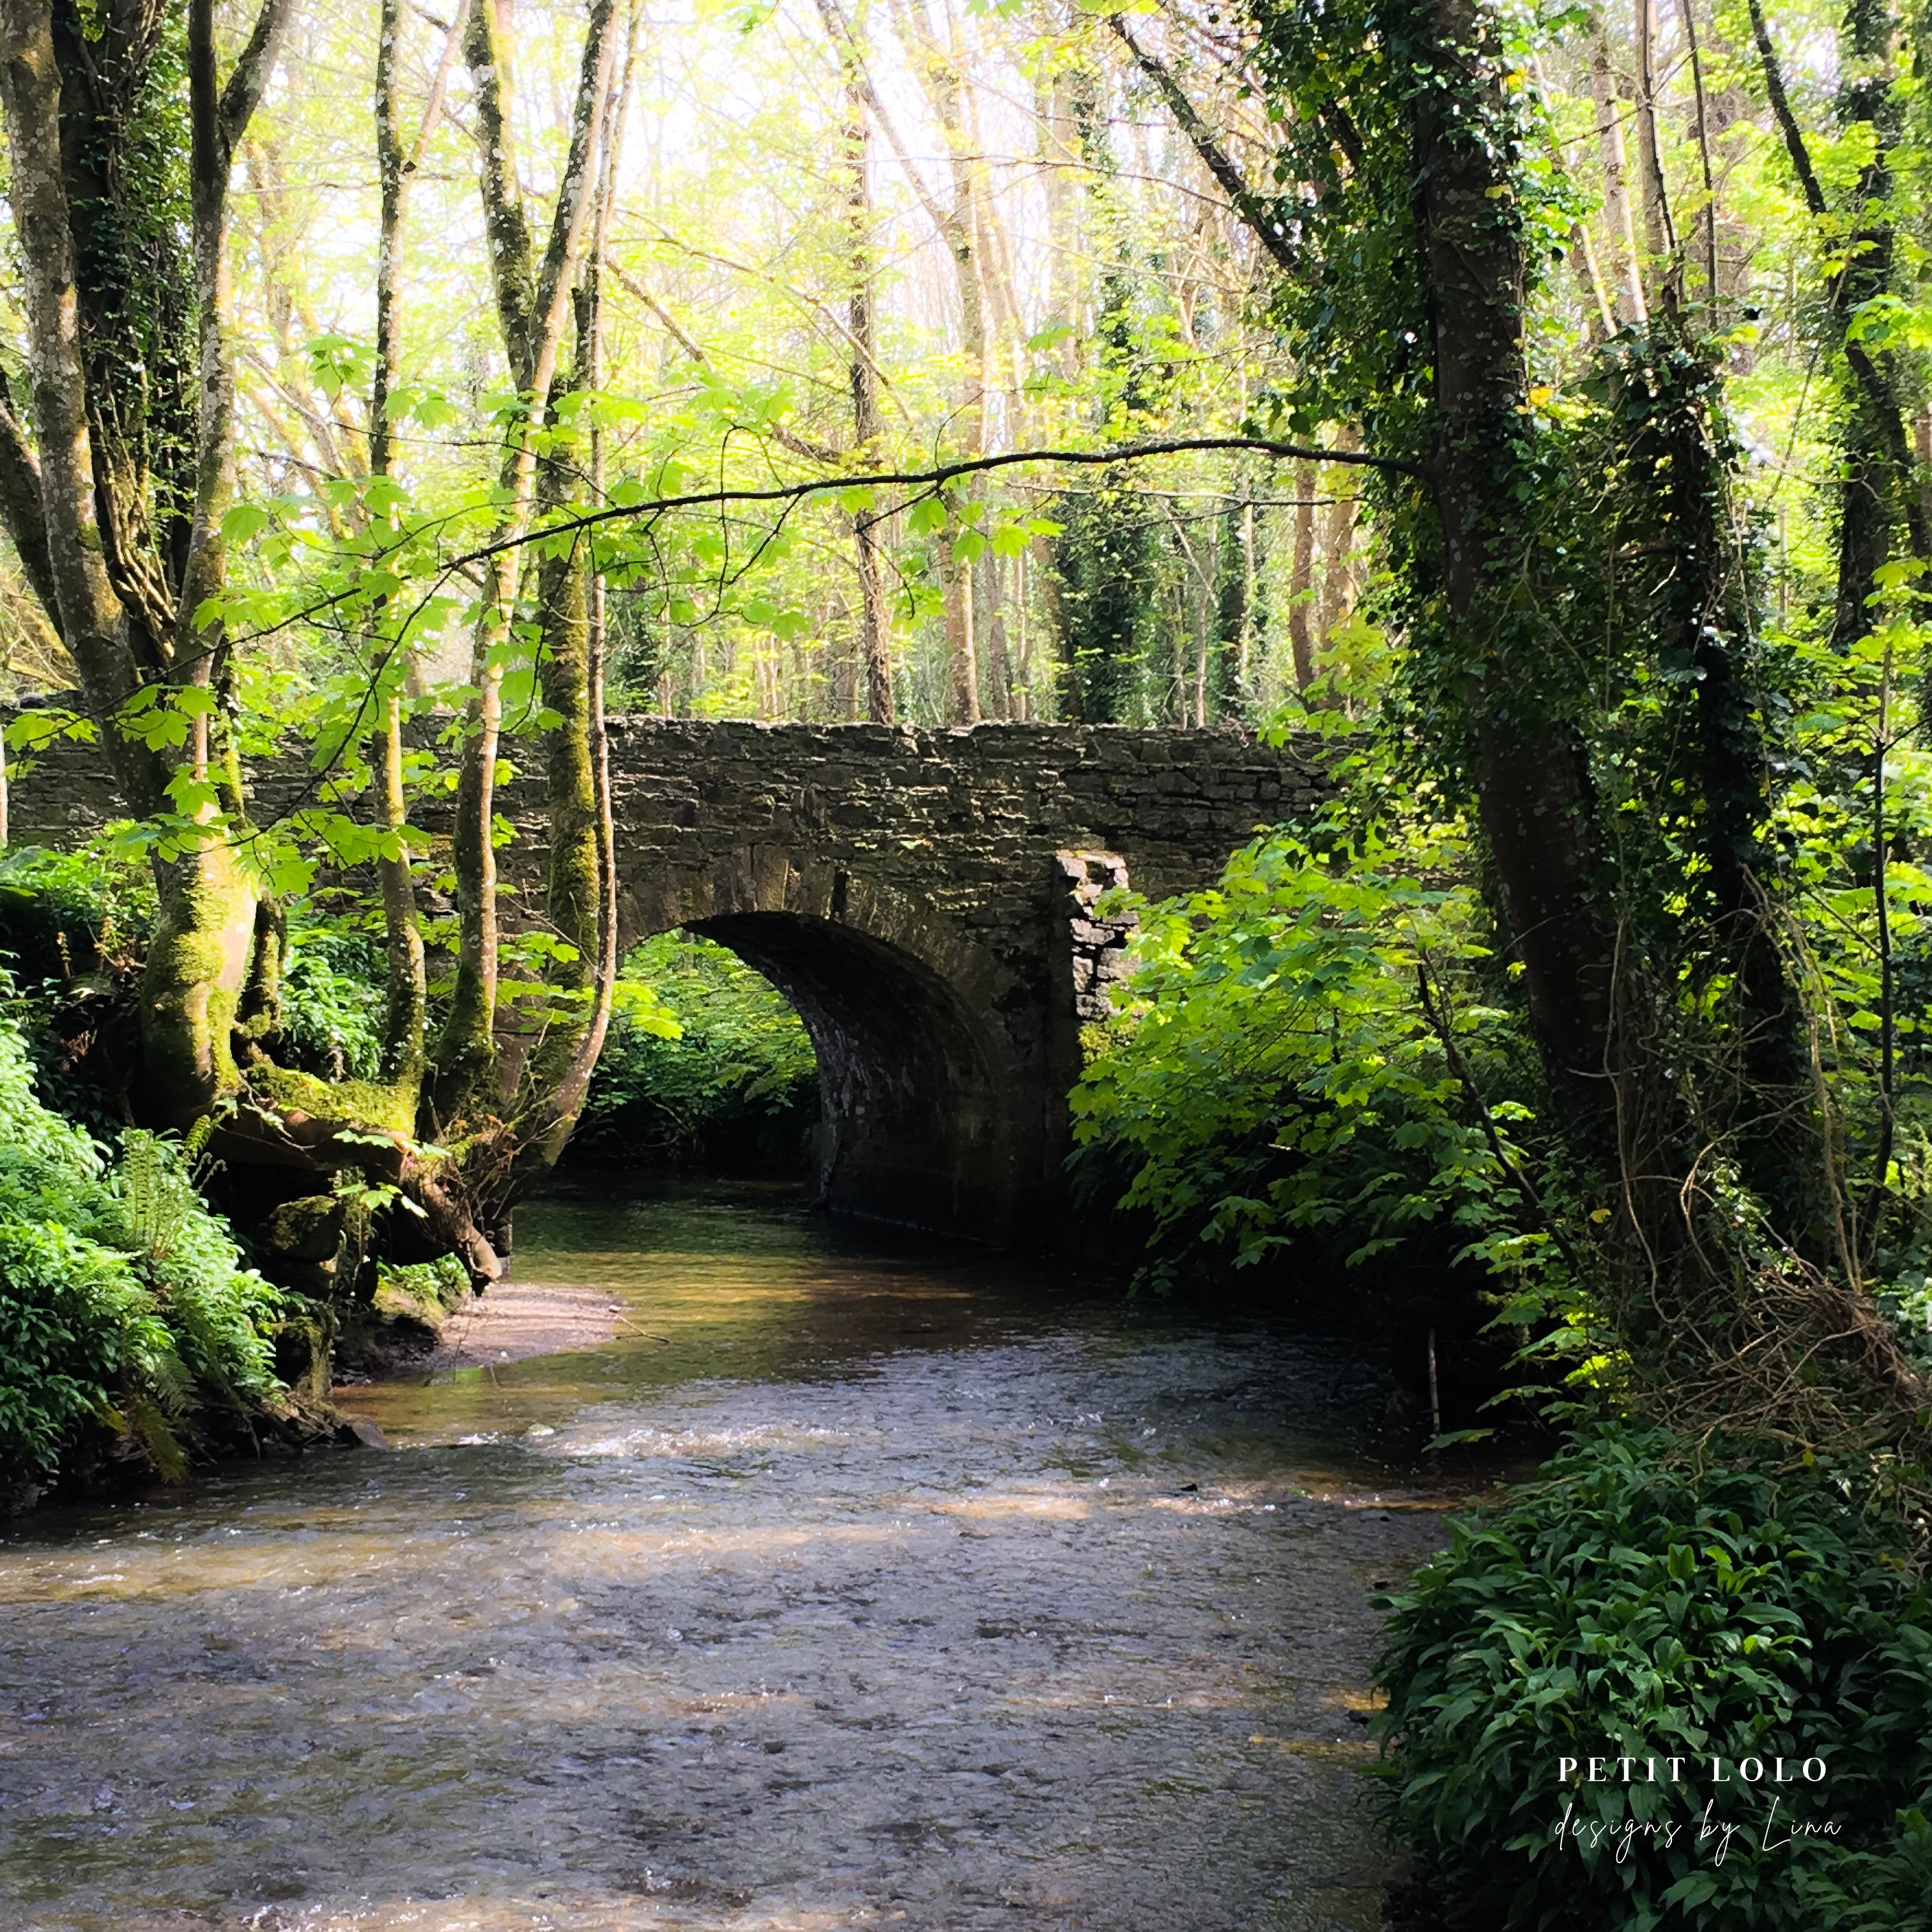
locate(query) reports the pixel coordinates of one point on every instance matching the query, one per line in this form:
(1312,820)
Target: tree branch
(250,78)
(928,482)
(1234,184)
(1781,112)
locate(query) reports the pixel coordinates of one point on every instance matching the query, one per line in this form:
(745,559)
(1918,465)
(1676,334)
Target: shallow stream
(850,1586)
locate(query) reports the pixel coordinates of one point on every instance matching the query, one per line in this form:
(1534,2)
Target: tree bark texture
(135,471)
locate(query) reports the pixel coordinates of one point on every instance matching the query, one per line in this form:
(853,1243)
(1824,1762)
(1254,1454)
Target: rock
(309,1229)
(360,1429)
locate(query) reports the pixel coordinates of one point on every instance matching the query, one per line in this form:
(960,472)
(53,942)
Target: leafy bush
(332,1004)
(72,926)
(63,913)
(1643,1601)
(124,1305)
(732,1077)
(1308,1052)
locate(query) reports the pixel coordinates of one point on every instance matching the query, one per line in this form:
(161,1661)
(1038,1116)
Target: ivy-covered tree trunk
(131,419)
(1532,783)
(533,297)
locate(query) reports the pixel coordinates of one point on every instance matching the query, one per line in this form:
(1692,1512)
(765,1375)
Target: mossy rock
(307,1229)
(302,1362)
(396,1304)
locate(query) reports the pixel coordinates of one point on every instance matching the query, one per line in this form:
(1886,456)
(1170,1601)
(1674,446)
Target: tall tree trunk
(581,899)
(962,656)
(1866,507)
(407,992)
(532,302)
(105,536)
(1534,794)
(1660,232)
(1624,258)
(961,227)
(1301,579)
(999,669)
(1231,621)
(875,665)
(1337,544)
(1069,699)
(395,174)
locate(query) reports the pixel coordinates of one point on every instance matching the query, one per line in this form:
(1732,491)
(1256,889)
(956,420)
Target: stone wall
(926,899)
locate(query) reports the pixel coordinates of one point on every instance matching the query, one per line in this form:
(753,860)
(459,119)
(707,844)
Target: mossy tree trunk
(533,299)
(120,502)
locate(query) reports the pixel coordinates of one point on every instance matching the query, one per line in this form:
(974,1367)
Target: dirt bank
(513,1320)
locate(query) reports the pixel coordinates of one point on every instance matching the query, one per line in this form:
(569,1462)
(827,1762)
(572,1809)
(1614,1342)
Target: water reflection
(841,1589)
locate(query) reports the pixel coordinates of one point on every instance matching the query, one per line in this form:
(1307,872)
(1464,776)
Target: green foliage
(66,912)
(1273,1074)
(72,928)
(124,1307)
(1105,566)
(733,1076)
(1649,1598)
(332,1004)
(443,1281)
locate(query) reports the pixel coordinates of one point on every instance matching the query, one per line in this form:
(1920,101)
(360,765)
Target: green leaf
(243,521)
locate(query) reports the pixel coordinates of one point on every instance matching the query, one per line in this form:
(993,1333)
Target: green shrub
(72,925)
(734,1077)
(66,912)
(334,995)
(1310,1060)
(124,1307)
(1640,1603)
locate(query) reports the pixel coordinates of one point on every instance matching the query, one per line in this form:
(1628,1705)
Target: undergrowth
(1650,1598)
(732,1077)
(128,1326)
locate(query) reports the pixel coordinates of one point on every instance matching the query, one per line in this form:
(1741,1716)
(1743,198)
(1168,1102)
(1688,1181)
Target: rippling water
(844,1588)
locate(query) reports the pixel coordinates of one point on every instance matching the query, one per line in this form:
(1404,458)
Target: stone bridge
(925,899)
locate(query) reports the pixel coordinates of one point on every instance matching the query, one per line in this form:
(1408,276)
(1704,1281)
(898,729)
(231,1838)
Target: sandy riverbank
(518,1318)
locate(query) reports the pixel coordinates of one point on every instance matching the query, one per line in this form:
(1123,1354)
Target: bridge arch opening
(913,1124)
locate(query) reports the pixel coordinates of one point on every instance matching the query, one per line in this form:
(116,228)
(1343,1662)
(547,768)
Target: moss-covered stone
(310,1229)
(356,1104)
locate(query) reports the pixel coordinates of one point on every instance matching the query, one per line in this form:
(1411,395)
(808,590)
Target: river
(852,1584)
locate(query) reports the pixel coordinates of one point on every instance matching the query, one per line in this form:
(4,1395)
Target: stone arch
(924,1119)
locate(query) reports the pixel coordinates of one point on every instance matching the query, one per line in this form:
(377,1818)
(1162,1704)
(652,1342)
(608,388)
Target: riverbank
(511,1322)
(515,1320)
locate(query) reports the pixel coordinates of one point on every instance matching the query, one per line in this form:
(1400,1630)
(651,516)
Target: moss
(309,1229)
(191,986)
(355,1103)
(392,1304)
(302,1360)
